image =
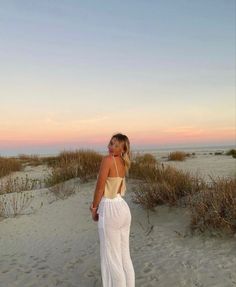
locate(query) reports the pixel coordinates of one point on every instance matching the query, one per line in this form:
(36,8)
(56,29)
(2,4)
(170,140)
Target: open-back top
(113,184)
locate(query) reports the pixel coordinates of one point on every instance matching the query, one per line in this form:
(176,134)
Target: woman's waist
(117,197)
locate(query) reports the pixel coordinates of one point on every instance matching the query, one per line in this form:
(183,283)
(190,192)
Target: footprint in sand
(197,284)
(67,250)
(92,273)
(42,261)
(148,267)
(72,264)
(13,262)
(43,267)
(27,271)
(187,265)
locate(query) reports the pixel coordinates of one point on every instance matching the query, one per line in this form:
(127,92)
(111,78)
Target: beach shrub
(14,203)
(143,166)
(64,189)
(71,164)
(231,152)
(177,155)
(219,153)
(165,185)
(17,184)
(214,207)
(8,165)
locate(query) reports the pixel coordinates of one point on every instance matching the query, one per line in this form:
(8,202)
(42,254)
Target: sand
(55,243)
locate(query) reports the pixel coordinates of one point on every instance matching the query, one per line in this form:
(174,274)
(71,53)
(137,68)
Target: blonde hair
(126,155)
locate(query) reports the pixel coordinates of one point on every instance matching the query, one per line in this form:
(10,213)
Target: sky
(73,73)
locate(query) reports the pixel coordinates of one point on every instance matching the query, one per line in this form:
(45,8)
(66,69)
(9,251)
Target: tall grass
(33,159)
(8,165)
(178,155)
(143,166)
(215,206)
(70,164)
(165,185)
(212,204)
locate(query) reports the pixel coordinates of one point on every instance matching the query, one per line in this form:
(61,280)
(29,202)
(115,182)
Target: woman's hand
(94,212)
(95,216)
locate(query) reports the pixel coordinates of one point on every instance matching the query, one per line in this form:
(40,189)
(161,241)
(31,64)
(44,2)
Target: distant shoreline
(148,150)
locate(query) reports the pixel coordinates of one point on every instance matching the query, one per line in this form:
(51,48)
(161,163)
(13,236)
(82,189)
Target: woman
(113,215)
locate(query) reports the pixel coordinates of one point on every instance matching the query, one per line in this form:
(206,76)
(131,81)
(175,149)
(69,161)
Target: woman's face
(115,147)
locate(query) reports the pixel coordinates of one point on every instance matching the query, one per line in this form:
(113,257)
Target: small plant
(219,153)
(63,190)
(17,184)
(231,152)
(177,155)
(14,204)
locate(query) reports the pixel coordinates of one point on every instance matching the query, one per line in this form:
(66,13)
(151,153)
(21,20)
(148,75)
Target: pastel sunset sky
(75,72)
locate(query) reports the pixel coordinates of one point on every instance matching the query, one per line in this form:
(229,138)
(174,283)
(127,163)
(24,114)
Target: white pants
(114,229)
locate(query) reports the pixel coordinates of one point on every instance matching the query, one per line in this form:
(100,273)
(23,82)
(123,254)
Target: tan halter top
(113,184)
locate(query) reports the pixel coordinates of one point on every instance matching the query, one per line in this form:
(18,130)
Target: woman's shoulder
(106,159)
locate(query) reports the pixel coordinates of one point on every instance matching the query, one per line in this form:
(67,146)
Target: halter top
(112,185)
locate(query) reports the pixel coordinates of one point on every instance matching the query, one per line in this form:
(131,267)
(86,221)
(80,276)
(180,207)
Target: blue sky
(75,72)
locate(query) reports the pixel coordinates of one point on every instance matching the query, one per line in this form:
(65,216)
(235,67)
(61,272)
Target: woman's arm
(101,180)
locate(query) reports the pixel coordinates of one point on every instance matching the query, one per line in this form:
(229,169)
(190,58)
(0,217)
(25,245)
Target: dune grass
(80,163)
(163,185)
(14,204)
(142,166)
(32,160)
(231,152)
(212,204)
(8,165)
(214,208)
(178,155)
(17,184)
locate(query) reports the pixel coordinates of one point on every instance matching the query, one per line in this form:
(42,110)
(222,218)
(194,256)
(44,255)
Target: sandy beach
(148,84)
(55,243)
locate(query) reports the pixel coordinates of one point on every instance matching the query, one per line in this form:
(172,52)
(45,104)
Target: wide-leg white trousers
(114,230)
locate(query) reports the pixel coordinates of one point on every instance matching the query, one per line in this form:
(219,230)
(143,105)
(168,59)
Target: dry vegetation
(8,165)
(71,164)
(18,184)
(14,203)
(35,160)
(212,205)
(215,206)
(231,152)
(142,166)
(178,155)
(63,190)
(162,184)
